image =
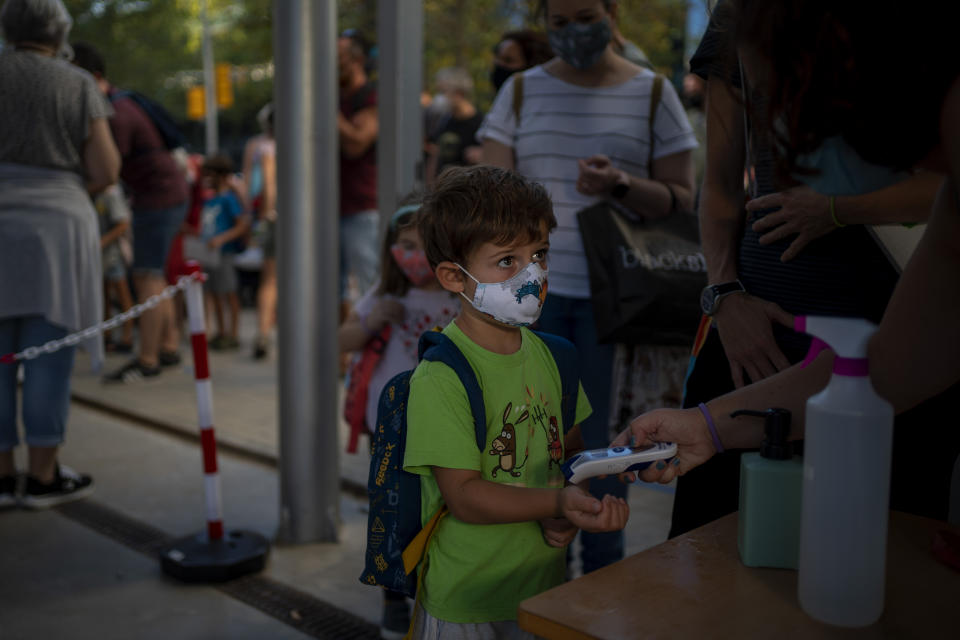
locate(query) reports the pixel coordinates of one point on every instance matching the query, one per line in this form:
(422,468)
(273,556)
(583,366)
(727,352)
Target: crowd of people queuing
(787,140)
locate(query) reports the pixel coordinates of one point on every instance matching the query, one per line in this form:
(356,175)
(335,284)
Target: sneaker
(168,359)
(67,485)
(396,619)
(222,343)
(122,347)
(8,491)
(260,349)
(133,371)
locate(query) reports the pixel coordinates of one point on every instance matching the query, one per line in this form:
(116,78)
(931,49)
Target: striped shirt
(561,123)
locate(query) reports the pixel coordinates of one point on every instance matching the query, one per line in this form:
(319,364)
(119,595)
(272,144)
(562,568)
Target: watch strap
(725,288)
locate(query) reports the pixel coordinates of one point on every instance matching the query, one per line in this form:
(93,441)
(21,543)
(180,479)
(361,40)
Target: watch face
(707,296)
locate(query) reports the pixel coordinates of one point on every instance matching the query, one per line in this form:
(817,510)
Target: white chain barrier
(85,334)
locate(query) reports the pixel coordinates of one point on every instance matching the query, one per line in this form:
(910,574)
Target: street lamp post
(210,95)
(305,100)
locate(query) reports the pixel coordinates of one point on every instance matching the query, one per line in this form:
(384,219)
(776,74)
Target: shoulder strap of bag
(436,347)
(517,95)
(747,147)
(655,94)
(565,355)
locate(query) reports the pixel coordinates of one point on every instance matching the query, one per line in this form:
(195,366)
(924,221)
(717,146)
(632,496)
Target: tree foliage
(154,46)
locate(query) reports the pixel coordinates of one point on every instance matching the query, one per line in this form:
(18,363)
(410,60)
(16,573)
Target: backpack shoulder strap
(118,94)
(565,355)
(517,95)
(655,93)
(360,97)
(436,347)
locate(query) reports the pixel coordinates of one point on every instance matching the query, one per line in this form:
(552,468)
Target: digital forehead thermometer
(599,462)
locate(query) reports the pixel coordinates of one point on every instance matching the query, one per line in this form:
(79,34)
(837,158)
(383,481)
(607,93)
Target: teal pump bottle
(771,481)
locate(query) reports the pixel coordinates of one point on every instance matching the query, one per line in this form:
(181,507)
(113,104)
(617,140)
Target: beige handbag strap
(655,94)
(517,95)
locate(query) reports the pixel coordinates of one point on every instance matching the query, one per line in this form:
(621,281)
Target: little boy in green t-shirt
(486,235)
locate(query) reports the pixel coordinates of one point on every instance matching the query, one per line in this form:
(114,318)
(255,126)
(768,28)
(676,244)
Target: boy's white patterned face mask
(516,301)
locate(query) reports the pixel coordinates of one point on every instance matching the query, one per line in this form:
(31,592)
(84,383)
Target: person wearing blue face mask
(582,129)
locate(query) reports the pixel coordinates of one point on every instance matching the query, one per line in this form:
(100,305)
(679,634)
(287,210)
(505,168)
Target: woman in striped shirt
(582,130)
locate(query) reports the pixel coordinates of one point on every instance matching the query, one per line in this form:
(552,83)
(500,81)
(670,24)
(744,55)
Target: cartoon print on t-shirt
(554,446)
(505,445)
(551,429)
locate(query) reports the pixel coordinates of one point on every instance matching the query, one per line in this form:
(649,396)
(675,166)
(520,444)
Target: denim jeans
(359,253)
(572,319)
(153,233)
(46,384)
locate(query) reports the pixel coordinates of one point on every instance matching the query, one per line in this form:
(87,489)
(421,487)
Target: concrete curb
(192,434)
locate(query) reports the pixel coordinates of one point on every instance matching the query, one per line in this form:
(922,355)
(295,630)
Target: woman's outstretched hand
(685,427)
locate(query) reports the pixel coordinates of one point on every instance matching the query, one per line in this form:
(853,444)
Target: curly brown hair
(469,206)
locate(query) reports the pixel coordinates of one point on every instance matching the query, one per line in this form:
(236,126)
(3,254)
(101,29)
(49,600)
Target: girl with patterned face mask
(383,330)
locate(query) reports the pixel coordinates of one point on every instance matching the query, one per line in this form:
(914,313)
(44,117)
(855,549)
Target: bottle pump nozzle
(776,432)
(847,337)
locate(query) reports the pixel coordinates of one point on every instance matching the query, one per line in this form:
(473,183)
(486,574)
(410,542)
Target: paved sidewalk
(245,413)
(63,579)
(62,575)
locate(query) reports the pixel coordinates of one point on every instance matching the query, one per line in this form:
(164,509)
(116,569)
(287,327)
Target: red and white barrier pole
(201,368)
(217,555)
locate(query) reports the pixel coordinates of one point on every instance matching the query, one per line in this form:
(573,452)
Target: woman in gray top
(55,150)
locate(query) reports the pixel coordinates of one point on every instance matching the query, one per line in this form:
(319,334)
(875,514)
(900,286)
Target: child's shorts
(222,279)
(426,627)
(114,270)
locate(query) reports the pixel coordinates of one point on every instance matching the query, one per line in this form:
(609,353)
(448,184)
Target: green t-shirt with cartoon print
(481,573)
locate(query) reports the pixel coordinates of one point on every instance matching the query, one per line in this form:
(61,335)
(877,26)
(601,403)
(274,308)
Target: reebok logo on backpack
(396,541)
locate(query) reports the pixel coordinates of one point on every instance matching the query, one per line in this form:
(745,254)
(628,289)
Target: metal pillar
(209,86)
(400,80)
(305,97)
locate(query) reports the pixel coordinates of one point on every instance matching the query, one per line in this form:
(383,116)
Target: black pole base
(196,558)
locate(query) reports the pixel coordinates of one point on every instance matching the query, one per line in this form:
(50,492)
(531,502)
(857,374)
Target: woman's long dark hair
(536,49)
(873,72)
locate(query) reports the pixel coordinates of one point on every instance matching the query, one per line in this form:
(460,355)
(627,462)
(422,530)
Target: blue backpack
(396,541)
(161,119)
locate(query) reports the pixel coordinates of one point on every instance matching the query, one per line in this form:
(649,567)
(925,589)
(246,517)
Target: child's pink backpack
(358,386)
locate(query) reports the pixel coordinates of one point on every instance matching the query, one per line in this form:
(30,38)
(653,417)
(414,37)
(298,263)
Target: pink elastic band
(816,346)
(853,367)
(711,427)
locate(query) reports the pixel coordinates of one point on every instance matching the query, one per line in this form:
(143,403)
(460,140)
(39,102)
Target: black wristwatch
(622,187)
(712,294)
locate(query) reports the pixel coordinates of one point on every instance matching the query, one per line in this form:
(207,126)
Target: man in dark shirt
(158,190)
(455,143)
(358,127)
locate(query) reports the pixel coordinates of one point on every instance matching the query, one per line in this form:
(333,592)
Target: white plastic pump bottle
(846,482)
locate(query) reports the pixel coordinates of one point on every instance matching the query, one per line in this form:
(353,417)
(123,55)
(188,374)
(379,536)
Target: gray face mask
(580,45)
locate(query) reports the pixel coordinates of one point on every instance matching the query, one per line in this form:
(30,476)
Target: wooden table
(695,586)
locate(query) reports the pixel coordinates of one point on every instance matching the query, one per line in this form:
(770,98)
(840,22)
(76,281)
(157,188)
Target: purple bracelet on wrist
(711,427)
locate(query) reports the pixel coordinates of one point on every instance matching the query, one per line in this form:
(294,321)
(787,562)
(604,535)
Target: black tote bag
(645,275)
